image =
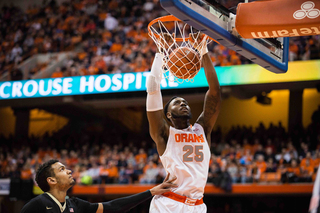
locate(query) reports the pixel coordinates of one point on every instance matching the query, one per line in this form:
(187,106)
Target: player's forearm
(211,75)
(125,204)
(154,97)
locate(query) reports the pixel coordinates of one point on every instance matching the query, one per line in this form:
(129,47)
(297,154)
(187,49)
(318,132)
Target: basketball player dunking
(184,149)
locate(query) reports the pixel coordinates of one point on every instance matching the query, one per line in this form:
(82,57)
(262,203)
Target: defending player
(183,149)
(55,180)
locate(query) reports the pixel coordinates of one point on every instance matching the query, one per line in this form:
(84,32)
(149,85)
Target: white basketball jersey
(187,157)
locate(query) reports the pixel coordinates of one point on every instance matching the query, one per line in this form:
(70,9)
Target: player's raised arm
(158,127)
(212,99)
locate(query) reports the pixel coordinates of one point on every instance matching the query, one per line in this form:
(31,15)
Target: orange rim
(167,19)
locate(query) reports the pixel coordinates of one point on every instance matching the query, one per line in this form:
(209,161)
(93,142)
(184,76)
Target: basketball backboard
(217,20)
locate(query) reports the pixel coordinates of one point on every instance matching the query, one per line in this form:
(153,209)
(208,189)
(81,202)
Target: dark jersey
(44,204)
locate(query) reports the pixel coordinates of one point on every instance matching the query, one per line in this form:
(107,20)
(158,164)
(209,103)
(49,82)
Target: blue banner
(82,85)
(131,82)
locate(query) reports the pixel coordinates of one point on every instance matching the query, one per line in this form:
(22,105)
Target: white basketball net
(179,36)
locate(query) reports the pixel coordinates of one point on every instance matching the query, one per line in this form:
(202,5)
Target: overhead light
(263,99)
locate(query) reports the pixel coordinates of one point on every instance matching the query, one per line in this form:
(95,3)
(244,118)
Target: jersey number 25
(197,150)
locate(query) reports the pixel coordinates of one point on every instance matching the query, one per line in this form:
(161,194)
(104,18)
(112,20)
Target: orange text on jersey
(189,138)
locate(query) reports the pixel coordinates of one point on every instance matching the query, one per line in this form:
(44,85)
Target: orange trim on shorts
(183,199)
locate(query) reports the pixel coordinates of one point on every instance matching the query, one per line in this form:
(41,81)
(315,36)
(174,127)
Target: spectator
(82,156)
(307,158)
(110,23)
(16,51)
(131,173)
(259,151)
(26,172)
(261,164)
(271,166)
(148,6)
(306,172)
(113,172)
(142,156)
(283,157)
(313,49)
(223,179)
(58,73)
(123,176)
(29,41)
(254,172)
(232,169)
(245,177)
(292,173)
(150,173)
(270,155)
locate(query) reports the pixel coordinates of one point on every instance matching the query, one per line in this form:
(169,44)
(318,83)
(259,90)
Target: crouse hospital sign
(77,85)
(131,82)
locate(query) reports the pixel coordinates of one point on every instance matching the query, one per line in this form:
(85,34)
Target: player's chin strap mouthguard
(154,97)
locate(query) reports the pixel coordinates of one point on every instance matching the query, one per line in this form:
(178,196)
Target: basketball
(184,63)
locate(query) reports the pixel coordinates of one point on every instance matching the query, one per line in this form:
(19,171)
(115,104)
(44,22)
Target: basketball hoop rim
(167,19)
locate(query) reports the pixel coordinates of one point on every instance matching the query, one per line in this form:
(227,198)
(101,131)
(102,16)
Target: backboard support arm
(217,26)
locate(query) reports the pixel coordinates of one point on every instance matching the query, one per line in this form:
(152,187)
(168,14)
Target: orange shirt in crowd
(143,156)
(34,161)
(41,153)
(57,75)
(104,171)
(92,70)
(113,172)
(293,48)
(106,35)
(295,170)
(73,161)
(79,6)
(101,64)
(308,169)
(115,47)
(38,40)
(26,174)
(140,68)
(102,16)
(82,55)
(316,162)
(262,166)
(303,162)
(247,147)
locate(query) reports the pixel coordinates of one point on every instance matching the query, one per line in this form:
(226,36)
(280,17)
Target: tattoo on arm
(163,133)
(211,106)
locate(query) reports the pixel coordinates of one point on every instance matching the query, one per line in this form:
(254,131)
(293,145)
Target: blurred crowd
(243,155)
(109,36)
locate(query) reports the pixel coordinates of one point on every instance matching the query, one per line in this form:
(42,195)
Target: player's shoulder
(77,201)
(39,198)
(34,205)
(197,127)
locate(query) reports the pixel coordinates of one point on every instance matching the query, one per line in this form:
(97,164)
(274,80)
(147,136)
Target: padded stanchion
(278,18)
